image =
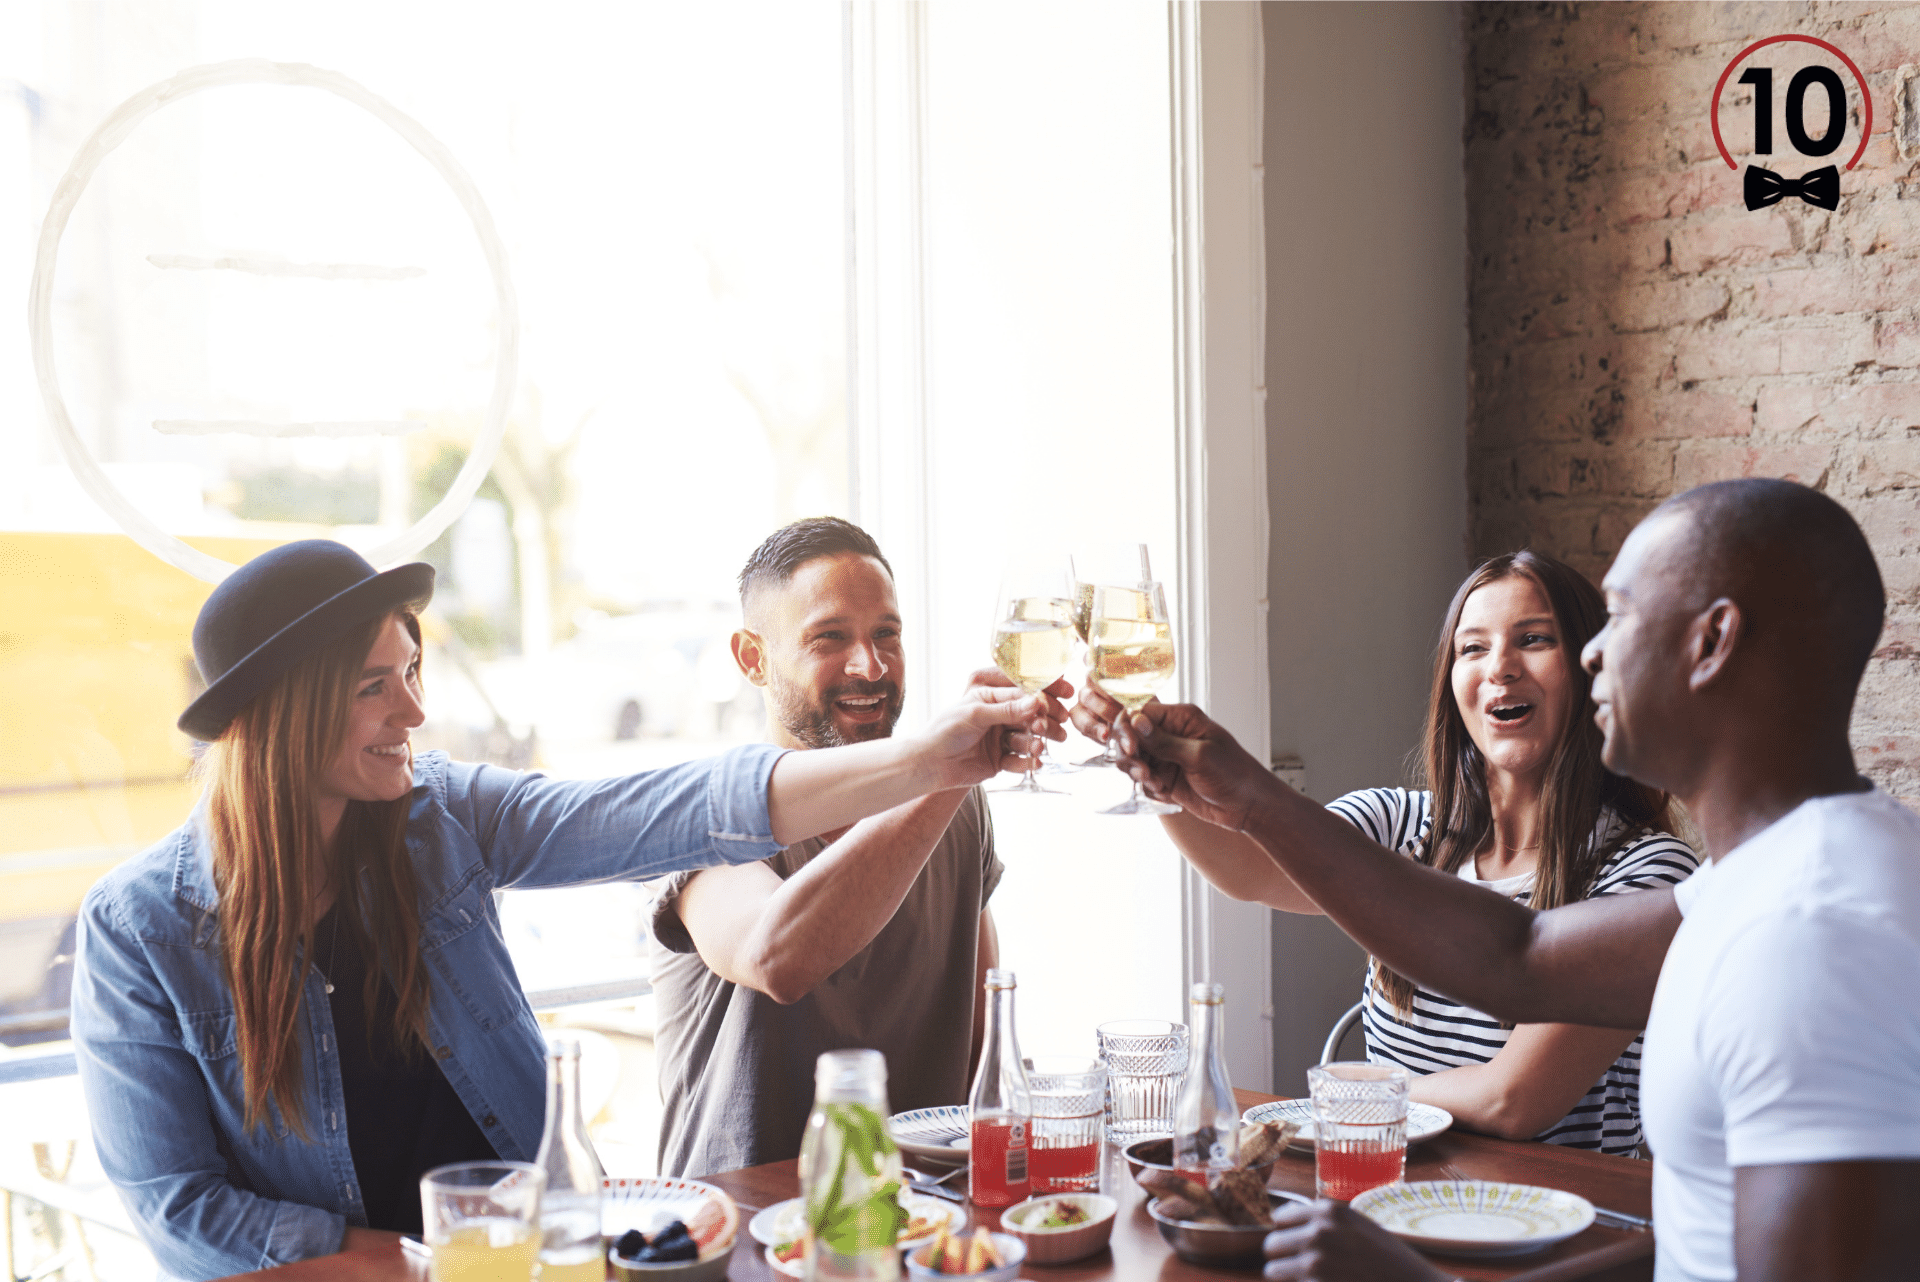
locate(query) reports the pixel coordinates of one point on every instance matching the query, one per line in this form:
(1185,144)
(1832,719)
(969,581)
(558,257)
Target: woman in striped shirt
(1520,803)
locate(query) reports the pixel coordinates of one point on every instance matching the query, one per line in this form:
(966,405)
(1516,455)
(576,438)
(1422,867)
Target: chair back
(1331,1050)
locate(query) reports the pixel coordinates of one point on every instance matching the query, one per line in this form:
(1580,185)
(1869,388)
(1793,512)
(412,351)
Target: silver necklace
(333,938)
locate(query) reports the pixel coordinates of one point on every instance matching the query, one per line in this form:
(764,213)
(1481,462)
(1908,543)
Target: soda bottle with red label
(1001,1106)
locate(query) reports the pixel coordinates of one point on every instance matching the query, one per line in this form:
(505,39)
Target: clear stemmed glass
(1033,639)
(1105,564)
(1132,642)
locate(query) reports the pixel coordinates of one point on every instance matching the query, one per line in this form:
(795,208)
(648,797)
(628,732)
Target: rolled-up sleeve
(535,831)
(152,1122)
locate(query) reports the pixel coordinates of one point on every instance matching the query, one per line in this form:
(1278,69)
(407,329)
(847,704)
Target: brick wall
(1635,330)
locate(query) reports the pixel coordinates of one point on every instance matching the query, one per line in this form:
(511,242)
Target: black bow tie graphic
(1819,188)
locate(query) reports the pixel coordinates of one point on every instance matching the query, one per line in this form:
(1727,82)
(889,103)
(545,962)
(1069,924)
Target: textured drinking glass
(1146,1061)
(1069,1110)
(482,1220)
(1359,1128)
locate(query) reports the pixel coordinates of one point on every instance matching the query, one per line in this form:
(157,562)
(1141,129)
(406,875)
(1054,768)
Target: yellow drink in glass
(491,1250)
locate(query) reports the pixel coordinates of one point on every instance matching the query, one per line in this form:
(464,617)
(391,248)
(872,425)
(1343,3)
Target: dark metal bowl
(1216,1246)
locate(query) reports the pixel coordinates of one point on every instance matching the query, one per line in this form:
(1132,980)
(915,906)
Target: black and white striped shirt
(1438,1034)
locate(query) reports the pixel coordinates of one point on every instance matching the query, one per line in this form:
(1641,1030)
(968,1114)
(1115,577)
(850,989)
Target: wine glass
(1106,563)
(1132,642)
(1033,639)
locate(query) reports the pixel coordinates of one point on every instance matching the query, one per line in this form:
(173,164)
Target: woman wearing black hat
(299,1001)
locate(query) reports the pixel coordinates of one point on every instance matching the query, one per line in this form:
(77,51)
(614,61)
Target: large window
(909,263)
(274,317)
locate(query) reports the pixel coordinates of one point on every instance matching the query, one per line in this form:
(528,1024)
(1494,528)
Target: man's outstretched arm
(782,938)
(1593,962)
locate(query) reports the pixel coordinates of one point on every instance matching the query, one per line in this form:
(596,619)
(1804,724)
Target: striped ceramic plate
(1475,1217)
(933,1134)
(1424,1121)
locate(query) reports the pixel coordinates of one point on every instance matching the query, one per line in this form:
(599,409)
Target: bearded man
(876,935)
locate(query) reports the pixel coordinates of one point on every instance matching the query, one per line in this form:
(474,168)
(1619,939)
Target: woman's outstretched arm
(1235,866)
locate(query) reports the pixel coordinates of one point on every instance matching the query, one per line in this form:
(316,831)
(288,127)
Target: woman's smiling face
(375,763)
(1512,675)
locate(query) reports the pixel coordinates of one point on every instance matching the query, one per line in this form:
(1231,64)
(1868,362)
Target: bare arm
(1535,1079)
(1231,863)
(782,938)
(1542,1071)
(814,792)
(1594,962)
(1236,865)
(1825,1221)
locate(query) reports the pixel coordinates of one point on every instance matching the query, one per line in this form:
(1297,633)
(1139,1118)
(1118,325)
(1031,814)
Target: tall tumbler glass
(482,1220)
(1146,1061)
(1069,1108)
(1359,1127)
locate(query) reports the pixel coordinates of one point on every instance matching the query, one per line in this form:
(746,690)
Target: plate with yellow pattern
(1475,1217)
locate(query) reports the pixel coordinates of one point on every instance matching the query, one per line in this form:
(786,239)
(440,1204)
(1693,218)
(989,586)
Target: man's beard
(812,725)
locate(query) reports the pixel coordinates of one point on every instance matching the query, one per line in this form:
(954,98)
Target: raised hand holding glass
(1132,641)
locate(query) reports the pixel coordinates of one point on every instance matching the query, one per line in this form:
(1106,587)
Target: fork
(921,1177)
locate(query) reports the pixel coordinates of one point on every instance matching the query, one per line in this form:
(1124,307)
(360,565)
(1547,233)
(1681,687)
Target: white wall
(1366,413)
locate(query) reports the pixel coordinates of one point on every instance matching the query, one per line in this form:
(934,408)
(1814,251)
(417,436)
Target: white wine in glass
(1131,639)
(1109,563)
(1034,646)
(1033,634)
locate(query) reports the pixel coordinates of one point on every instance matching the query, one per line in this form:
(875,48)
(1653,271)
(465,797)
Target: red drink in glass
(1359,1127)
(1071,1168)
(1345,1170)
(997,1172)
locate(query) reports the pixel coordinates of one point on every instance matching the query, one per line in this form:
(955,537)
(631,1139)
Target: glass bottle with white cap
(850,1171)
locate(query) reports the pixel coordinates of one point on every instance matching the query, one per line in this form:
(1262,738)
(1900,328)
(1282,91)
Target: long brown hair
(268,859)
(1578,788)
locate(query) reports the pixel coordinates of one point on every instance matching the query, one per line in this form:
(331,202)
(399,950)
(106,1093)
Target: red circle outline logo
(1866,131)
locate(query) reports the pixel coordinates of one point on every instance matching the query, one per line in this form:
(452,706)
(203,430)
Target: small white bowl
(1011,1249)
(1066,1242)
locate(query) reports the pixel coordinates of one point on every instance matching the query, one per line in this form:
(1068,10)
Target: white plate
(766,1227)
(1475,1217)
(1424,1121)
(781,1221)
(927,1133)
(650,1203)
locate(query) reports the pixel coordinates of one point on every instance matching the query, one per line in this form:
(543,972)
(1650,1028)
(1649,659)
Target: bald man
(878,935)
(1780,1090)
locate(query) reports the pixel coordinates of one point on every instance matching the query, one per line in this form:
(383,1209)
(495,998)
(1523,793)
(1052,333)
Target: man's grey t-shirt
(736,1067)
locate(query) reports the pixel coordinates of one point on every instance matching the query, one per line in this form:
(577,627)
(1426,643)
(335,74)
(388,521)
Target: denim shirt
(153,1020)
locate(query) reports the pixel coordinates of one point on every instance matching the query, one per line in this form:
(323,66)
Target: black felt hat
(280,607)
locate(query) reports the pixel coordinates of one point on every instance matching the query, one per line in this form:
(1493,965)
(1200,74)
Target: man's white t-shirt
(1786,1025)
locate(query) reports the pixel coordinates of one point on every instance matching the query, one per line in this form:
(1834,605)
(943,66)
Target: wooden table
(1137,1252)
